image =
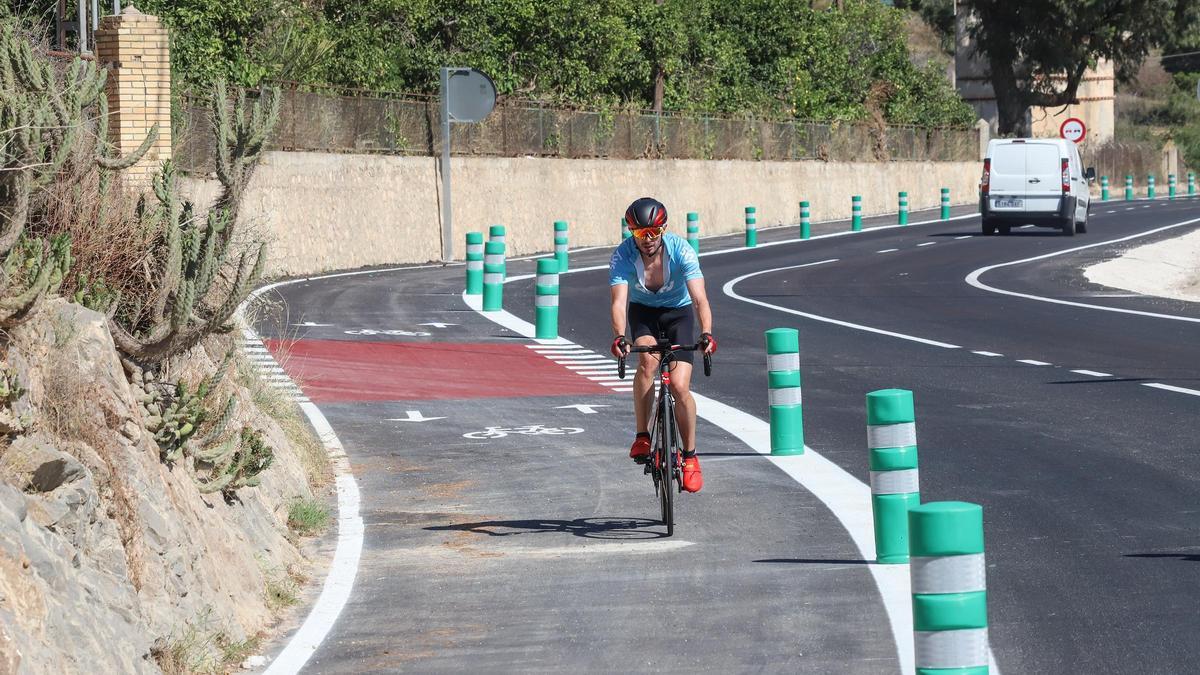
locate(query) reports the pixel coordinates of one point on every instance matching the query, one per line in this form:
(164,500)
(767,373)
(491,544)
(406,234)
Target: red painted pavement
(342,370)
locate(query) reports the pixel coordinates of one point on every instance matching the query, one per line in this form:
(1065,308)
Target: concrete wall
(325,212)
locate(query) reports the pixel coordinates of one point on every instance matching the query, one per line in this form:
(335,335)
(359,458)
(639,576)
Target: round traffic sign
(470,94)
(1073,129)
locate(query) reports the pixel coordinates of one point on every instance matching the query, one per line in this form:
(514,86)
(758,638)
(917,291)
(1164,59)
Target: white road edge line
(728,290)
(1033,362)
(928,243)
(973,277)
(1167,387)
(846,497)
(342,571)
(1092,373)
(987,353)
(888,250)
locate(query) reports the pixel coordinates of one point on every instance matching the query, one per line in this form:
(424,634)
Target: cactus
(96,295)
(241,137)
(240,465)
(42,270)
(43,113)
(175,420)
(195,253)
(11,391)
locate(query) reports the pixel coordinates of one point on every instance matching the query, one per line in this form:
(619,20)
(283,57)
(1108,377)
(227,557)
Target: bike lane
(490,549)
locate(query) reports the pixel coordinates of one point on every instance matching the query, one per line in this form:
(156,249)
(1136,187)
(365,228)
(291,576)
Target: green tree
(1038,50)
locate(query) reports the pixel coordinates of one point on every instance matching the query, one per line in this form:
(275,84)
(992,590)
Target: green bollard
(474,263)
(783,394)
(805,228)
(493,276)
(751,228)
(625,233)
(1150,186)
(693,231)
(1104,188)
(903,217)
(949,589)
(546,299)
(856,213)
(1170,186)
(496,233)
(945,203)
(892,448)
(1128,188)
(560,244)
(1191,184)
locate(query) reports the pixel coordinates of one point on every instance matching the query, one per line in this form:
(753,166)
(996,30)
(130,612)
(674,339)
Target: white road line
(581,356)
(593,362)
(1167,387)
(888,250)
(594,366)
(1113,211)
(1092,373)
(728,290)
(605,378)
(556,349)
(1024,227)
(928,243)
(966,236)
(1033,363)
(987,353)
(973,277)
(1146,206)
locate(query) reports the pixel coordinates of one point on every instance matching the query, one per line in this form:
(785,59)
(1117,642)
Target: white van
(1038,181)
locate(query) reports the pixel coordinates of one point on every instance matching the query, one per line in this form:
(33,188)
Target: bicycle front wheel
(666,467)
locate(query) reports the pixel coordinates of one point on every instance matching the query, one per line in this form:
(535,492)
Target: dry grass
(202,647)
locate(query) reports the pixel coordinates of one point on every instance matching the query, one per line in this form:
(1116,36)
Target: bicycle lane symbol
(527,430)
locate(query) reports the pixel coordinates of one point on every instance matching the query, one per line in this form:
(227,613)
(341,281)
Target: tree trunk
(1011,106)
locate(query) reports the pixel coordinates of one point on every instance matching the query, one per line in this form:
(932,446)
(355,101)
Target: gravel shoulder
(1169,269)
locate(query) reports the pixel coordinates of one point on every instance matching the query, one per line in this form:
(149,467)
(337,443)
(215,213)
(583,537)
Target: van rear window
(1009,160)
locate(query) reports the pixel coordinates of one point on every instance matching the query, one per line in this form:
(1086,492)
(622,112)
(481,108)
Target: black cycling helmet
(646,212)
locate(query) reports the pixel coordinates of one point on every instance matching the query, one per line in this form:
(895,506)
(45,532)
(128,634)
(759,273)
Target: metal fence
(410,126)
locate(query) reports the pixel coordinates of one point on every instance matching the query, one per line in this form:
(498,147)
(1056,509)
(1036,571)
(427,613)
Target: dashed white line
(1033,362)
(1092,373)
(987,353)
(605,378)
(928,243)
(888,250)
(966,236)
(1167,387)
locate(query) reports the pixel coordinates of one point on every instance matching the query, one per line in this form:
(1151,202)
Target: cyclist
(655,280)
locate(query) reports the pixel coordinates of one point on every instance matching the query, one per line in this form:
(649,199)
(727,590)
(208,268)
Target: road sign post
(467,96)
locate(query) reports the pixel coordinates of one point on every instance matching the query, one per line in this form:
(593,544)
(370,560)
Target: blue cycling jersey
(680,265)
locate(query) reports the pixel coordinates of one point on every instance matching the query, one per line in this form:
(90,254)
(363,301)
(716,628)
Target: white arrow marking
(414,416)
(585,408)
(309,324)
(436,324)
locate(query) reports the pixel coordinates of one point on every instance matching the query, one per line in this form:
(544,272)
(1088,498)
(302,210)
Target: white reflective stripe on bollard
(493,278)
(494,259)
(891,435)
(547,280)
(474,264)
(902,482)
(474,248)
(963,648)
(948,574)
(546,301)
(777,362)
(784,396)
(560,248)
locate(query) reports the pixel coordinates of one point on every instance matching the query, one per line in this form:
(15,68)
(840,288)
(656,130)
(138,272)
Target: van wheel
(1068,227)
(1005,229)
(988,227)
(1081,227)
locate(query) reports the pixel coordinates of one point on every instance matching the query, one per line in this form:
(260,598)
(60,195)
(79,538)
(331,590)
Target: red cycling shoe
(693,480)
(640,451)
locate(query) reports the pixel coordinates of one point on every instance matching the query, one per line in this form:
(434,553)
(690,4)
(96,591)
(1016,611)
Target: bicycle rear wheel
(666,468)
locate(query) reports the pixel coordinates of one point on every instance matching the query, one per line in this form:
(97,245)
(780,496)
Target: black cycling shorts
(678,324)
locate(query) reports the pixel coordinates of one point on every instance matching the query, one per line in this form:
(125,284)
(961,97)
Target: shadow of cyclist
(591,528)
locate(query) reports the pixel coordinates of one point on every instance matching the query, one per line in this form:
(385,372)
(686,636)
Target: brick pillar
(133,48)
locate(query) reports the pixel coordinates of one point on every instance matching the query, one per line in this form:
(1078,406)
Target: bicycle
(665,458)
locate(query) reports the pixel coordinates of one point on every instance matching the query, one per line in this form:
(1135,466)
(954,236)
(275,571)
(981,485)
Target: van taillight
(1066,176)
(986,182)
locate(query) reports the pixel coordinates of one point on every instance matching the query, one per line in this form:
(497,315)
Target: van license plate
(1009,203)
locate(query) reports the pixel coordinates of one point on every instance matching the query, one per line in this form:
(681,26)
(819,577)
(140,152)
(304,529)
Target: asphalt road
(539,552)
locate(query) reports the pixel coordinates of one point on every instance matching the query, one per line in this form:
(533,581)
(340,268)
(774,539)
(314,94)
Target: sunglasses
(650,233)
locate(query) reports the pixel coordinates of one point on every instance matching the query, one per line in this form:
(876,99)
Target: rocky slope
(112,561)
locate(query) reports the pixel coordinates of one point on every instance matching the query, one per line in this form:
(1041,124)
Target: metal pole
(81,22)
(95,16)
(447,245)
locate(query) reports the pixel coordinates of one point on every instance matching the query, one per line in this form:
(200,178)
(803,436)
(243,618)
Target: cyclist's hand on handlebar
(620,346)
(708,343)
